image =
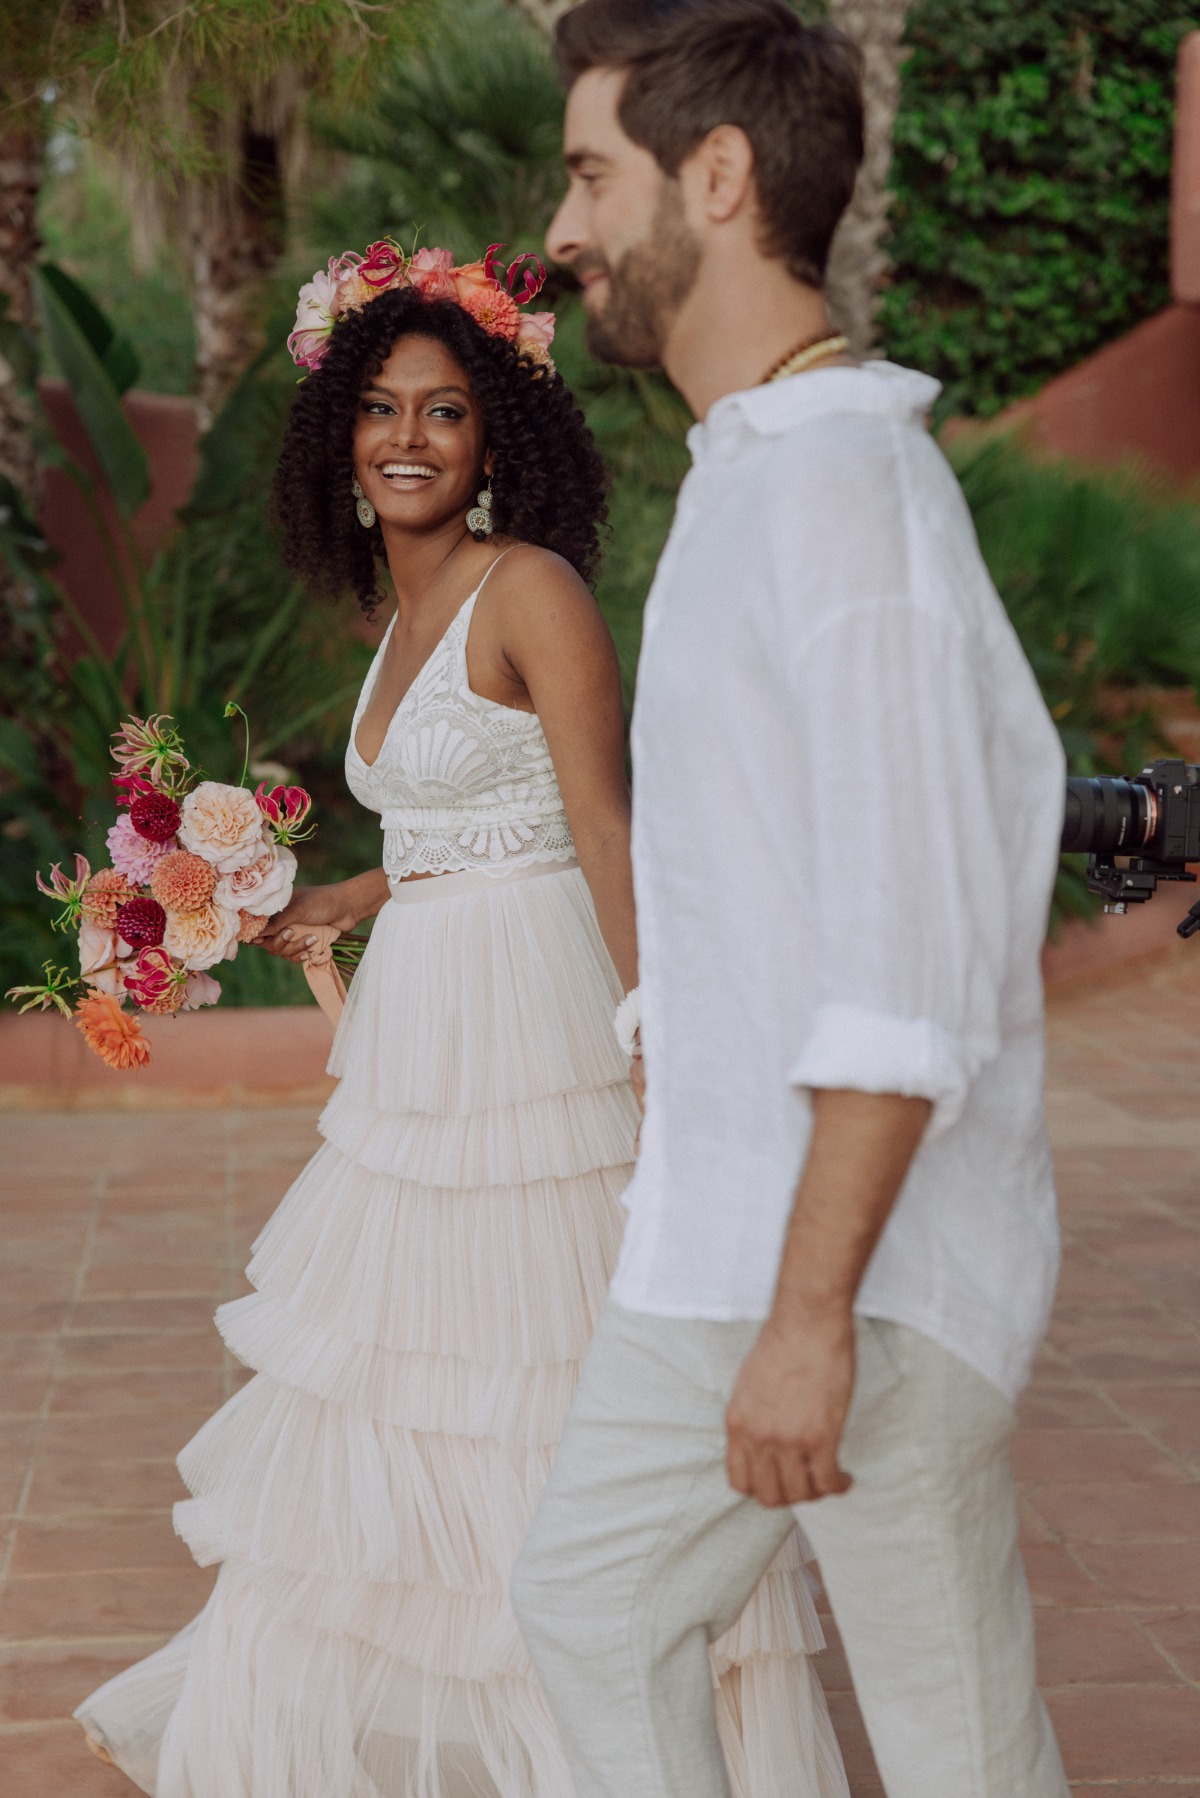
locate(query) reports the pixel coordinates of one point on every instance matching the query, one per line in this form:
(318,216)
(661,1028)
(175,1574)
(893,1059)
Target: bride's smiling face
(419,437)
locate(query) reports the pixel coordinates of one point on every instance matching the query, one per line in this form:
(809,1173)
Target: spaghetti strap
(468,605)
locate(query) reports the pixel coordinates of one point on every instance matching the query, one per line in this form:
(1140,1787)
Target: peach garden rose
(223,824)
(202,938)
(263,886)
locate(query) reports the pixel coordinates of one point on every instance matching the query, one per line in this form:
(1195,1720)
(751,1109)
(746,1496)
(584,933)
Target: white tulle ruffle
(424,1296)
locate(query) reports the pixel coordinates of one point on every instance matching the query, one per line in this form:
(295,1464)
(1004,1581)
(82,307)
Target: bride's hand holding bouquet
(316,914)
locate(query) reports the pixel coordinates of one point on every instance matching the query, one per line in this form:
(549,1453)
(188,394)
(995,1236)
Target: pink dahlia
(141,923)
(154,816)
(134,856)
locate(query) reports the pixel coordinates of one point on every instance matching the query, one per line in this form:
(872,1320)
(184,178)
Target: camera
(1136,833)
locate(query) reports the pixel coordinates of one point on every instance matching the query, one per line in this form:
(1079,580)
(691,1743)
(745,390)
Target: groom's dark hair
(794,89)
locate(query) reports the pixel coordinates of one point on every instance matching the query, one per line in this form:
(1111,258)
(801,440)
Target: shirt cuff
(873,1052)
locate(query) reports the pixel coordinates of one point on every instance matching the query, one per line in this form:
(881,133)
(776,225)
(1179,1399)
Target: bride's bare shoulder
(532,585)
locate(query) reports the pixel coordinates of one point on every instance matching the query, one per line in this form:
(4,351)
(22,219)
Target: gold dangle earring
(479,518)
(362,505)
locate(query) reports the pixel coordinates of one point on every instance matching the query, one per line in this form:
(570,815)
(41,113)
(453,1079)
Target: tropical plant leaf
(112,437)
(112,348)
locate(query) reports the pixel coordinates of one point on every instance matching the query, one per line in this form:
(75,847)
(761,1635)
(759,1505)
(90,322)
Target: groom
(841,1248)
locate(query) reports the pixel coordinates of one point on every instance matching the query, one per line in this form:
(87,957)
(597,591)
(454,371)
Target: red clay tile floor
(121,1233)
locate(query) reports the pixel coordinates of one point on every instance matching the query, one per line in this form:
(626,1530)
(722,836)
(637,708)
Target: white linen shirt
(848,797)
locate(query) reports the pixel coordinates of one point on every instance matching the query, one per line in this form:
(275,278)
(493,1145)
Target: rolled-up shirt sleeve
(902,862)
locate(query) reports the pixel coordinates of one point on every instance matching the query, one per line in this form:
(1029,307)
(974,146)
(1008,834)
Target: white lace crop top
(460,782)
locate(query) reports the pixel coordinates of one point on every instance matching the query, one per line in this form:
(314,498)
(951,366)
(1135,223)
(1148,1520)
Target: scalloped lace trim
(482,847)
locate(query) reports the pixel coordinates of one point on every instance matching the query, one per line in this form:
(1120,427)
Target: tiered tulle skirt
(424,1297)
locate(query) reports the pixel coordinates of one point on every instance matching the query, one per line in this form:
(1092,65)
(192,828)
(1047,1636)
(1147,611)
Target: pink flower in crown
(366,277)
(381,264)
(470,278)
(532,278)
(316,310)
(536,334)
(431,273)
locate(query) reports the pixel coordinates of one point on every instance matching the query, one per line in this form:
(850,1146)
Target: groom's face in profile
(621,227)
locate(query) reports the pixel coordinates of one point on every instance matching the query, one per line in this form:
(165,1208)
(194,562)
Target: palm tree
(31,39)
(859,262)
(462,142)
(209,103)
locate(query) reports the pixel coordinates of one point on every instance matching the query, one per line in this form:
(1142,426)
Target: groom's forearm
(789,1405)
(859,1153)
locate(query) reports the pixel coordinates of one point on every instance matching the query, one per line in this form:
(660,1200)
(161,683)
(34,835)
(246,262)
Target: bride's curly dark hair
(548,484)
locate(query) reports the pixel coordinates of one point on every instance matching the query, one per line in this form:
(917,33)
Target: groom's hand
(789,1406)
(788,1409)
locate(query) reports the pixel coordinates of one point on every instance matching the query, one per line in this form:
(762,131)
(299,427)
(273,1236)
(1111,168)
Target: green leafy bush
(1101,579)
(1031,181)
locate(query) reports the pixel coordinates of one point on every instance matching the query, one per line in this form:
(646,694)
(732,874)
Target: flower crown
(352,280)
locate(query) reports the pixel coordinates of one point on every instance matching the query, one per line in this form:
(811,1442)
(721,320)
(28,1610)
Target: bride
(425,1292)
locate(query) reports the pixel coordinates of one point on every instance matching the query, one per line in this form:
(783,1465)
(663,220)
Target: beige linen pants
(641,1554)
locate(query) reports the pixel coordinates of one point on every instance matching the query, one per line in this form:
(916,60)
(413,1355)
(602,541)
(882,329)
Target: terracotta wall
(1137,400)
(167,429)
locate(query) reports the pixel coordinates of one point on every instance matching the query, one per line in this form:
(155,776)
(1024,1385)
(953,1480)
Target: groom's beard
(646,289)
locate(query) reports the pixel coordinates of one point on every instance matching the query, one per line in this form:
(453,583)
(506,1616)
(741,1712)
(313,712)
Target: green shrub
(1102,582)
(1030,181)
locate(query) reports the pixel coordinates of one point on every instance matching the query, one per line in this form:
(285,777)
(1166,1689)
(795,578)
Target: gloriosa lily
(285,809)
(157,977)
(54,990)
(154,747)
(69,891)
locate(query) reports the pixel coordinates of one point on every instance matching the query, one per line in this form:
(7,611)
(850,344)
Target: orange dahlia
(101,896)
(182,881)
(492,308)
(250,926)
(111,1033)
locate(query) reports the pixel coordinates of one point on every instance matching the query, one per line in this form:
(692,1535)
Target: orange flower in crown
(492,294)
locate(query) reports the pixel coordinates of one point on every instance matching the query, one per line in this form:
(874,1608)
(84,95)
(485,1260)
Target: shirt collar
(881,388)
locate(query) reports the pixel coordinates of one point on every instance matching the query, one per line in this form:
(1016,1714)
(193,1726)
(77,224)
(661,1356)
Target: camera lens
(1108,817)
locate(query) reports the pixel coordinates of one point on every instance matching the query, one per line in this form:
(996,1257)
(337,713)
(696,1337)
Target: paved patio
(122,1231)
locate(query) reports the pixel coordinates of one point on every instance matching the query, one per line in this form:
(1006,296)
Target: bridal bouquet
(197,869)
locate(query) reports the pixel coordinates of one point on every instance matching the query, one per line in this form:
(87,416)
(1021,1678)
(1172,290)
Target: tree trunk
(234,234)
(858,261)
(21,150)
